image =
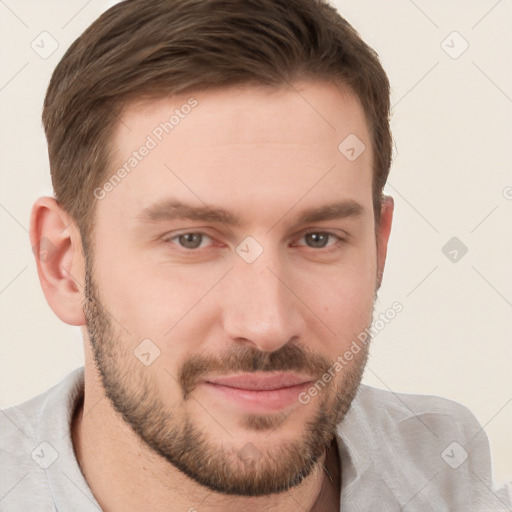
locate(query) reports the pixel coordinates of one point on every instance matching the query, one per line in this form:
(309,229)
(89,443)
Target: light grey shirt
(399,452)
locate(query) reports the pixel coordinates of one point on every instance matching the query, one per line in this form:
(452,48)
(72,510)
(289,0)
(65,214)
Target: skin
(266,156)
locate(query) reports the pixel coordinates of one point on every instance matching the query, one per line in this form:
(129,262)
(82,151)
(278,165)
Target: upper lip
(260,381)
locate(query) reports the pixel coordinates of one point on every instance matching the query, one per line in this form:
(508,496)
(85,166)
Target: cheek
(139,307)
(343,298)
(159,306)
(348,309)
(170,306)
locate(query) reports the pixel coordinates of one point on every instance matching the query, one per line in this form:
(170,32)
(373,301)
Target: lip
(261,381)
(258,393)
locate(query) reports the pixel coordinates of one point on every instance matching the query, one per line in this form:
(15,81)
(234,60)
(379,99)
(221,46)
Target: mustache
(247,359)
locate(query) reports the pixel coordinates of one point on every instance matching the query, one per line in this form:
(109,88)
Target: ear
(57,246)
(383,231)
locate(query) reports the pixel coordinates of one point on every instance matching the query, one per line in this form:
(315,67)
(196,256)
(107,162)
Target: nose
(260,307)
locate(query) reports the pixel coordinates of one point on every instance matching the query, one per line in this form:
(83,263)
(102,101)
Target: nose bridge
(259,307)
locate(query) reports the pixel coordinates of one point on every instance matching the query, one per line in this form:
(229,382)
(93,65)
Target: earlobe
(383,232)
(57,247)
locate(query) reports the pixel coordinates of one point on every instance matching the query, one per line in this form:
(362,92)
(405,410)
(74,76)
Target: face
(240,243)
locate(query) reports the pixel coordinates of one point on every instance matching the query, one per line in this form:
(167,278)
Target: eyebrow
(171,209)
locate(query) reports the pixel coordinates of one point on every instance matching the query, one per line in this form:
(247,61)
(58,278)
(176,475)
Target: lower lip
(259,401)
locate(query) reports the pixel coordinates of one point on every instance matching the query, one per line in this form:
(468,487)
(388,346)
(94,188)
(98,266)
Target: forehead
(307,111)
(250,147)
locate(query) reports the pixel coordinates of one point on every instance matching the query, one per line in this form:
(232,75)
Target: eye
(319,239)
(195,240)
(191,240)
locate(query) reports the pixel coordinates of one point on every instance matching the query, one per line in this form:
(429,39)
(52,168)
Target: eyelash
(339,239)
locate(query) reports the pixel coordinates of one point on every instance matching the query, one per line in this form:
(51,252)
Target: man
(219,232)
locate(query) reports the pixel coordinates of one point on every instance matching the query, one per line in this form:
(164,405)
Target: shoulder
(22,476)
(45,414)
(408,441)
(426,430)
(33,435)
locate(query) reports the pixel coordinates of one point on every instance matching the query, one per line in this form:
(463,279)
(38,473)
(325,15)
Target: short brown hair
(163,47)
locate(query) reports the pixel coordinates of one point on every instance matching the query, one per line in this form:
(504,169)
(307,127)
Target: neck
(125,474)
(329,497)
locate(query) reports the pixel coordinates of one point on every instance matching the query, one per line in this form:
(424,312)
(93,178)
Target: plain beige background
(450,66)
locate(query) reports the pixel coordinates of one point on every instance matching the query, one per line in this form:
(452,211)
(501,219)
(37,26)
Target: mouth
(259,393)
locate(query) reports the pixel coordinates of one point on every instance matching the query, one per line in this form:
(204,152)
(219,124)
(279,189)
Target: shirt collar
(355,444)
(67,483)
